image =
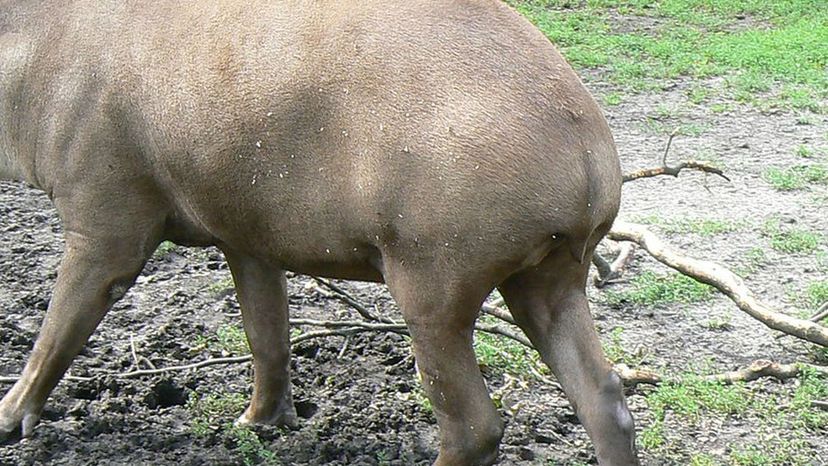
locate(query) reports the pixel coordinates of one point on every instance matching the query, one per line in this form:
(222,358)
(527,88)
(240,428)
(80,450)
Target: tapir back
(319,133)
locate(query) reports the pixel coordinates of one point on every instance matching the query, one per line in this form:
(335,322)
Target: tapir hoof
(284,417)
(16,422)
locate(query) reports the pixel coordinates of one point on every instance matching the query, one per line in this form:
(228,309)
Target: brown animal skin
(443,147)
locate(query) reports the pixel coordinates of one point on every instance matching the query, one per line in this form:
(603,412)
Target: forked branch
(722,279)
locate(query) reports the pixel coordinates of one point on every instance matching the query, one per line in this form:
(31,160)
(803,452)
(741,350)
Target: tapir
(443,147)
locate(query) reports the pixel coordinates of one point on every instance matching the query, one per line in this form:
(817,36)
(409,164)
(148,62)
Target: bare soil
(359,406)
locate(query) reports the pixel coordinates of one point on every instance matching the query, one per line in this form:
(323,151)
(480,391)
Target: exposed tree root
(721,278)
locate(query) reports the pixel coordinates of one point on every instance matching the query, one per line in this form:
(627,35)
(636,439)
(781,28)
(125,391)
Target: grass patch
(221,286)
(782,46)
(817,293)
(791,240)
(690,397)
(613,99)
(651,289)
(164,249)
(502,354)
(213,414)
(796,177)
(615,351)
(811,388)
(229,340)
(804,151)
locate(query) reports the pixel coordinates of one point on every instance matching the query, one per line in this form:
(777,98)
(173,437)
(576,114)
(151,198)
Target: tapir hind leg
(550,305)
(97,268)
(440,316)
(262,292)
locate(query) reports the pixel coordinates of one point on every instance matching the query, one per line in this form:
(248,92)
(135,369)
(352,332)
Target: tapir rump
(442,147)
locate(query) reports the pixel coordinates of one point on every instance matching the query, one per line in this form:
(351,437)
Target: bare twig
(665,169)
(675,170)
(667,147)
(823,405)
(334,328)
(721,278)
(395,327)
(820,314)
(348,299)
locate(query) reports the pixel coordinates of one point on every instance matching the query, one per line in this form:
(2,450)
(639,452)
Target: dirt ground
(360,405)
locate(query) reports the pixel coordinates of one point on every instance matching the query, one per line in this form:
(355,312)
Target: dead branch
(821,313)
(345,297)
(756,370)
(675,170)
(762,368)
(634,377)
(608,272)
(496,311)
(722,279)
(823,405)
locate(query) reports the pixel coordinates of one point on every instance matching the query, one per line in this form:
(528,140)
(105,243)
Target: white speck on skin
(327,250)
(259,144)
(400,215)
(270,114)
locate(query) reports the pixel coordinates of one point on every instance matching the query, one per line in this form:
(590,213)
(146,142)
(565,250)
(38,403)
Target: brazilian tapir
(442,147)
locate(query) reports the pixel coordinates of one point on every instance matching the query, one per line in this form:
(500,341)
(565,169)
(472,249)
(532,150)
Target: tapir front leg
(94,273)
(262,293)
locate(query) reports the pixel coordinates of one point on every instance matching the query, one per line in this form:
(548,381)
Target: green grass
(812,387)
(214,414)
(784,51)
(229,339)
(164,249)
(804,151)
(791,240)
(817,293)
(796,177)
(690,397)
(614,350)
(502,354)
(651,289)
(612,99)
(221,286)
(702,459)
(779,422)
